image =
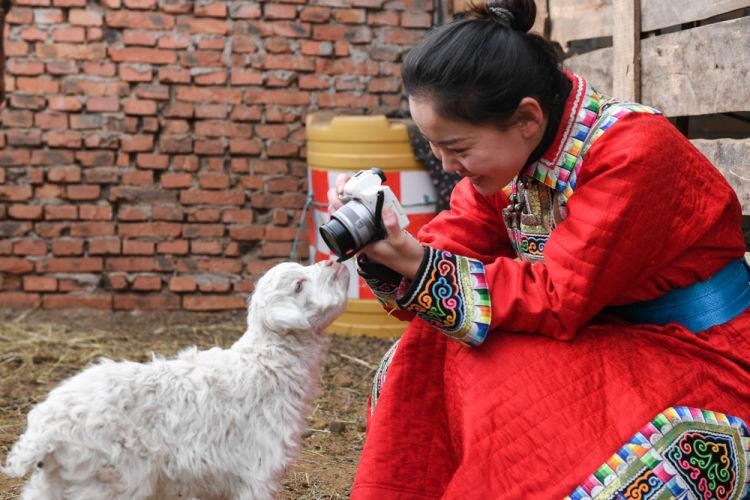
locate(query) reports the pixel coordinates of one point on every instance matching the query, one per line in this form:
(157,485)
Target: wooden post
(626,41)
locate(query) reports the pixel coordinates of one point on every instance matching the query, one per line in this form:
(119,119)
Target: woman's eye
(298,286)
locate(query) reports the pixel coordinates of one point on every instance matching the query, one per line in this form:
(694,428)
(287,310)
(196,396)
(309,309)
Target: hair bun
(518,14)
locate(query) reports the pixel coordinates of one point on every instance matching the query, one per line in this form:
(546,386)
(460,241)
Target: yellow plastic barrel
(344,145)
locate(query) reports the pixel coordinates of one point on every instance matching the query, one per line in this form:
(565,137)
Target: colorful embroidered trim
(587,115)
(384,292)
(450,292)
(683,453)
(379,379)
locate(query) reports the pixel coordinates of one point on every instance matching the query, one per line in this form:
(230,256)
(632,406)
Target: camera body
(359,221)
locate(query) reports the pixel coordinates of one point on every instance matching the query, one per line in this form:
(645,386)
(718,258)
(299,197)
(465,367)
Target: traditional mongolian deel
(610,216)
(683,453)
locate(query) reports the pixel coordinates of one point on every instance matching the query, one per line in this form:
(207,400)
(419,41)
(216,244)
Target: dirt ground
(39,349)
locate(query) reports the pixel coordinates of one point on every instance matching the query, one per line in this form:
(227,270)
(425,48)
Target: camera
(359,221)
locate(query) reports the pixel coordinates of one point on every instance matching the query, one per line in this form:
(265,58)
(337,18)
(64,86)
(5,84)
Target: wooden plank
(626,38)
(698,71)
(579,20)
(732,158)
(657,14)
(595,67)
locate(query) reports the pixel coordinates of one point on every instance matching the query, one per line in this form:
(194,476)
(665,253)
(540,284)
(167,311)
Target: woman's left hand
(399,250)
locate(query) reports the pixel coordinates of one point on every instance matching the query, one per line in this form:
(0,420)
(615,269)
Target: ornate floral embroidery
(384,291)
(450,292)
(379,379)
(591,114)
(682,453)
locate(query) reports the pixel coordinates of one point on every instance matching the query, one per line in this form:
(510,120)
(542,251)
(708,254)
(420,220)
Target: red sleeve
(641,200)
(473,227)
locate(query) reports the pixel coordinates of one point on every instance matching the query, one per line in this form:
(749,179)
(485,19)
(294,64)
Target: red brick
(246,232)
(214,181)
(116,281)
(70,265)
(213,78)
(214,9)
(182,284)
(213,302)
(157,229)
(87,17)
(37,85)
(206,247)
(280,11)
(382,18)
(39,284)
(19,300)
(280,233)
(135,74)
(83,122)
(64,139)
(60,212)
(138,178)
(25,212)
(47,16)
(281,149)
(140,107)
(315,14)
(350,16)
(311,48)
(62,67)
(24,67)
(202,230)
(64,174)
(137,247)
(102,104)
(142,20)
(30,247)
(416,19)
(245,11)
(176,181)
(67,247)
(244,45)
(92,229)
(277,45)
(275,249)
(74,51)
(145,56)
(104,246)
(201,197)
(214,284)
(288,62)
(17,118)
(139,264)
(95,212)
(15,265)
(179,247)
(141,4)
(83,192)
(204,26)
(147,283)
(137,143)
(198,94)
(202,58)
(47,121)
(174,41)
(70,35)
(77,301)
(146,302)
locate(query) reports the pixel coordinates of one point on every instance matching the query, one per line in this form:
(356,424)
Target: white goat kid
(215,424)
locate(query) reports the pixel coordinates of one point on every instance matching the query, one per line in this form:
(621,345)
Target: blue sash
(699,306)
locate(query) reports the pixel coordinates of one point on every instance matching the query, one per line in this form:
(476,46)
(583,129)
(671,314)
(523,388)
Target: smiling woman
(591,260)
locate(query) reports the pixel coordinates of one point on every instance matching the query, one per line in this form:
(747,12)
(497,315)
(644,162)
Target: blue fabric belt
(699,306)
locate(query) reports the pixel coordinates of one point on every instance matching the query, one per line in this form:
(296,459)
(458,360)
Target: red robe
(557,387)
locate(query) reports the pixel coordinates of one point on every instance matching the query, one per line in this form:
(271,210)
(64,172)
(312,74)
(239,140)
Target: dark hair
(6,5)
(479,66)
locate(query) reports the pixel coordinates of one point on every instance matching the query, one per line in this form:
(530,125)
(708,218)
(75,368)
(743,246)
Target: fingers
(390,221)
(334,194)
(340,181)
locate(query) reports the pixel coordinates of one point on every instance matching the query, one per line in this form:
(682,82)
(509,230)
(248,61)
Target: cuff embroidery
(383,281)
(450,292)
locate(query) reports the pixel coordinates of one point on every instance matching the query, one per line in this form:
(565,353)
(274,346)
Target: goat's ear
(286,316)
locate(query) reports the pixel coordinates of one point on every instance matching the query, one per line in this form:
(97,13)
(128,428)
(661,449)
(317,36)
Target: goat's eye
(298,286)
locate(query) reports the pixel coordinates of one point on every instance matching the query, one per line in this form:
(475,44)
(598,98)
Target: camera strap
(380,232)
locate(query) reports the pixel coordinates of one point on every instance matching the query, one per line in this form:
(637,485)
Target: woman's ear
(530,117)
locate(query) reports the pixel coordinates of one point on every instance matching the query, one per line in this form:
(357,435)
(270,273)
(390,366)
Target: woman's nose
(450,164)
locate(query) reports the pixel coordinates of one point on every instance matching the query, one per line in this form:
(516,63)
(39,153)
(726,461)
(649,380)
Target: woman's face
(490,157)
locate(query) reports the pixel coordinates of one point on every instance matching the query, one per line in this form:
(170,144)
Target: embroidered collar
(558,167)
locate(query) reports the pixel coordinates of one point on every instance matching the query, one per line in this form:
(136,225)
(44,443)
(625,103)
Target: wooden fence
(687,58)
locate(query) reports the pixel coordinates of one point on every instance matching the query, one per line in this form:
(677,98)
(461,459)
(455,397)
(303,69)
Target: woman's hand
(399,250)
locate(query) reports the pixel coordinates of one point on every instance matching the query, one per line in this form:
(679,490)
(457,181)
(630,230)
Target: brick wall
(152,151)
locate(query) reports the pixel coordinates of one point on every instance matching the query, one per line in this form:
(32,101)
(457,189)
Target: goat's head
(295,298)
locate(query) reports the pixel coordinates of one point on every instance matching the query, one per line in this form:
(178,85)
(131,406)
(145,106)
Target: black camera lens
(337,237)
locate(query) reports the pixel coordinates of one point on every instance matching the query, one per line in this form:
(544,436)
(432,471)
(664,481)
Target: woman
(588,279)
